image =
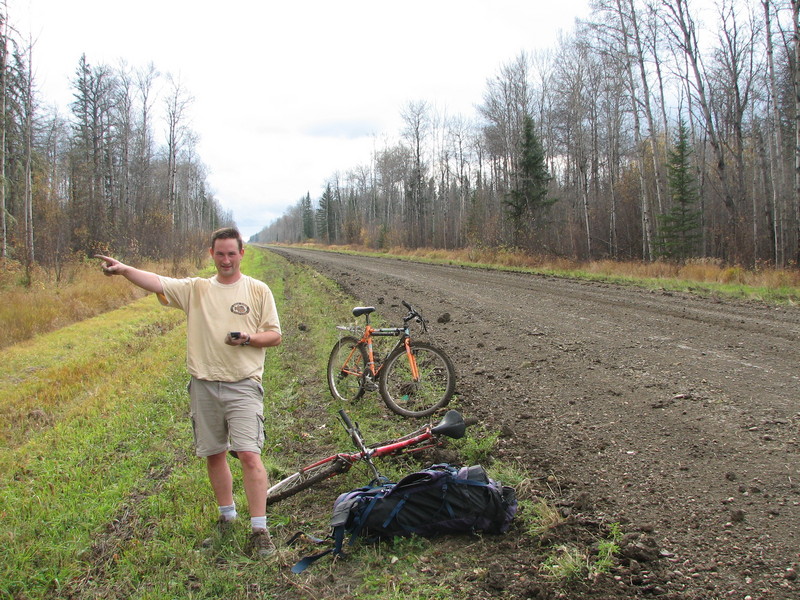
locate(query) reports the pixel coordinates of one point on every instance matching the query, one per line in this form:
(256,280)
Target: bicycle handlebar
(347,422)
(414,314)
(352,429)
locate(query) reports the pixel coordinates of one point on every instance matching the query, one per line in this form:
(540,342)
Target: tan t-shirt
(213,309)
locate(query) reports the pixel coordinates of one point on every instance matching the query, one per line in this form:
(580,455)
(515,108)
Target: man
(231,319)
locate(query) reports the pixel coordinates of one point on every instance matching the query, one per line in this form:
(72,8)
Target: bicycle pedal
(370,386)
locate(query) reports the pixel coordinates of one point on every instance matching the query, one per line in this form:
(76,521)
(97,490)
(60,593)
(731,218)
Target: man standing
(231,319)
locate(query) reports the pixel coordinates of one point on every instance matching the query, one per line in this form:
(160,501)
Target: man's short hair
(227,233)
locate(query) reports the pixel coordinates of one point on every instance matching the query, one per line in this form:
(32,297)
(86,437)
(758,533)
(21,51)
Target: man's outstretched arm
(144,279)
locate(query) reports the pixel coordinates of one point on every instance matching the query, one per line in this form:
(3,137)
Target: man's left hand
(243,339)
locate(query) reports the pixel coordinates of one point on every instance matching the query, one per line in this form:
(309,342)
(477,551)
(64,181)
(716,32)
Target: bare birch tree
(416,116)
(777,157)
(796,80)
(3,103)
(177,104)
(621,40)
(683,30)
(27,133)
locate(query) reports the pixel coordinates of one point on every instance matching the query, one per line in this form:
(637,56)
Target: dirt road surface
(675,415)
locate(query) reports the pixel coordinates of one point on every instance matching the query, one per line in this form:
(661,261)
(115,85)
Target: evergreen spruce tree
(308,217)
(326,215)
(525,202)
(679,229)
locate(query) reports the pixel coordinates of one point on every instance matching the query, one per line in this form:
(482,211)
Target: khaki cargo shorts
(227,416)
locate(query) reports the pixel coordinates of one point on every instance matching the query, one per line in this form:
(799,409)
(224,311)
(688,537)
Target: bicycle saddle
(363,310)
(452,425)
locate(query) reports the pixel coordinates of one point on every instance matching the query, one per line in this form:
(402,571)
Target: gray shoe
(261,543)
(224,530)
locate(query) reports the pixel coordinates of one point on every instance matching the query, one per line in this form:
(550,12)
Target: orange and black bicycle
(414,378)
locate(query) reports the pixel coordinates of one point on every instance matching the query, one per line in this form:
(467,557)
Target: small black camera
(235,335)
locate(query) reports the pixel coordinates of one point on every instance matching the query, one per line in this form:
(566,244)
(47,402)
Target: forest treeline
(97,179)
(652,130)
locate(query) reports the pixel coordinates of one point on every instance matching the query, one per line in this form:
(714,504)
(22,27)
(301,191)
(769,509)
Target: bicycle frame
(405,339)
(405,446)
(452,425)
(366,339)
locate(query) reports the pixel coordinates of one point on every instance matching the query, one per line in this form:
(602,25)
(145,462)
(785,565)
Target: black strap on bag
(346,519)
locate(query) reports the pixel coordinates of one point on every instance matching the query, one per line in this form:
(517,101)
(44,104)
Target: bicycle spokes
(346,369)
(407,389)
(422,390)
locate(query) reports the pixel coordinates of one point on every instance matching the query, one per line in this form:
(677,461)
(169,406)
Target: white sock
(258,522)
(228,512)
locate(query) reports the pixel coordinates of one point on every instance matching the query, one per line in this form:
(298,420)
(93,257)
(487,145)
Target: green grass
(100,494)
(541,516)
(567,562)
(46,378)
(64,484)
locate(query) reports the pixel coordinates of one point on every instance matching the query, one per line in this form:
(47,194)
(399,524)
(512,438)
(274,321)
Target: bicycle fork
(370,370)
(355,435)
(412,360)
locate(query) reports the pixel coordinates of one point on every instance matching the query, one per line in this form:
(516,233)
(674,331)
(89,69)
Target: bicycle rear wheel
(346,366)
(302,480)
(433,390)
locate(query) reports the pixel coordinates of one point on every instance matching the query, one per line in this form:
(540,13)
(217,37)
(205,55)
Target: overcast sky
(286,94)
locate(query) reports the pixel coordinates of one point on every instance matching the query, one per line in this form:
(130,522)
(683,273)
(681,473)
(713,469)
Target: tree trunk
(687,40)
(3,84)
(648,250)
(27,102)
(585,206)
(796,40)
(777,163)
(648,111)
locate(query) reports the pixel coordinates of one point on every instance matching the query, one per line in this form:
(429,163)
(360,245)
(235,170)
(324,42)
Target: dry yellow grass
(46,304)
(698,270)
(43,379)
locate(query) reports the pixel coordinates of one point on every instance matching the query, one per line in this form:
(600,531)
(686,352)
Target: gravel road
(673,414)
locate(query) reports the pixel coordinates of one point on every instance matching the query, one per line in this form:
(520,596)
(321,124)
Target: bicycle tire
(347,385)
(302,480)
(435,388)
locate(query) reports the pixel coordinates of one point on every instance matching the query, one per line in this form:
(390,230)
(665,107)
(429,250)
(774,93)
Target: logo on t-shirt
(240,308)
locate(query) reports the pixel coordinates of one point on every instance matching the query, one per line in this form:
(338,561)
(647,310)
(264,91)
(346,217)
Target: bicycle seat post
(363,310)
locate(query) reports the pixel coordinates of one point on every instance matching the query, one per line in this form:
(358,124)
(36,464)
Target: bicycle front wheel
(302,480)
(346,366)
(423,396)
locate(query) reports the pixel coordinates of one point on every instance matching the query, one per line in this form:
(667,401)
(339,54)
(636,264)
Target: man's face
(227,257)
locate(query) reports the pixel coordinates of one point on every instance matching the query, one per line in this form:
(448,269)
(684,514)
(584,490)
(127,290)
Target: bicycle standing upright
(414,378)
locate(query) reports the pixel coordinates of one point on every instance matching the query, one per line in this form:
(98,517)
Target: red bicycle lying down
(451,426)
